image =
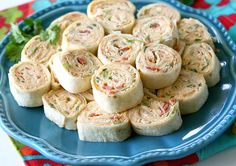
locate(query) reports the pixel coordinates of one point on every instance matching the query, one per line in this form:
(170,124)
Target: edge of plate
(149,156)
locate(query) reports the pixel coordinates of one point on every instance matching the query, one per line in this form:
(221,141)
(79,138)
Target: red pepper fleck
(154,25)
(125,48)
(120,86)
(125,58)
(153,68)
(115,118)
(94,114)
(106,87)
(82,61)
(172,101)
(84,31)
(164,108)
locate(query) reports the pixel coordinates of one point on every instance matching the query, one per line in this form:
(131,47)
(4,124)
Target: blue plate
(30,126)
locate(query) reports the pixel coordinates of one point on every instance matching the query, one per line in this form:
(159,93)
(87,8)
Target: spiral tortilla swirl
(154,117)
(159,9)
(96,125)
(38,51)
(120,48)
(64,21)
(83,34)
(117,87)
(200,58)
(159,65)
(156,29)
(67,106)
(193,31)
(98,6)
(74,69)
(54,81)
(113,15)
(29,75)
(190,90)
(93,115)
(116,20)
(28,82)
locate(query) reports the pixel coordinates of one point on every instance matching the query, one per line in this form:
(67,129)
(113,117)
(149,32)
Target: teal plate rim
(148,156)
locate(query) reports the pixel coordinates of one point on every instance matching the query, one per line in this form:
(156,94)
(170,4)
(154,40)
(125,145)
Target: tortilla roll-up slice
(154,117)
(122,48)
(115,20)
(29,81)
(62,107)
(180,47)
(113,15)
(117,87)
(96,125)
(157,29)
(65,20)
(200,58)
(88,95)
(159,65)
(100,6)
(83,34)
(193,31)
(38,51)
(54,81)
(190,90)
(74,69)
(159,9)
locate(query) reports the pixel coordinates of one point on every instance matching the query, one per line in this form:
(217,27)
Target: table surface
(10,157)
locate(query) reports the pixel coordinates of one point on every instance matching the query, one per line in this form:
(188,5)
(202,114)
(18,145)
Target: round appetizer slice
(122,48)
(64,21)
(179,47)
(154,117)
(113,15)
(88,95)
(62,107)
(117,87)
(97,126)
(193,31)
(54,81)
(190,90)
(200,58)
(83,34)
(74,69)
(29,81)
(159,65)
(156,29)
(38,51)
(50,63)
(106,6)
(159,9)
(115,20)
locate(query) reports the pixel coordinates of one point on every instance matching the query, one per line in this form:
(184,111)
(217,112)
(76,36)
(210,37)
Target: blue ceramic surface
(29,125)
